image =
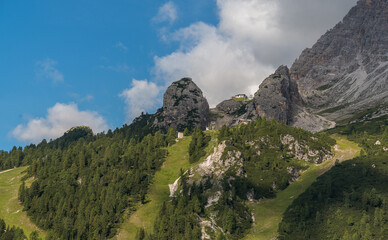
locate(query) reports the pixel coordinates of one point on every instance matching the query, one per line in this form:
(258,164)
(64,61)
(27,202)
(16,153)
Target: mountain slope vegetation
(268,212)
(249,162)
(145,215)
(351,200)
(11,211)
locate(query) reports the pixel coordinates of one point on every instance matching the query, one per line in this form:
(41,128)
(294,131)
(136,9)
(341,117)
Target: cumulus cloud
(220,68)
(60,118)
(141,97)
(252,39)
(166,13)
(46,69)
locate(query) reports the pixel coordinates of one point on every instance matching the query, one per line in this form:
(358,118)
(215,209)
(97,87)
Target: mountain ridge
(347,68)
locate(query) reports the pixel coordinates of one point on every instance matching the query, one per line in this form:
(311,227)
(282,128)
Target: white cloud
(121,46)
(141,97)
(46,69)
(252,39)
(219,67)
(166,13)
(60,118)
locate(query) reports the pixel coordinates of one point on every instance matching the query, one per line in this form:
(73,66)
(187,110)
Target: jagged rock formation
(184,106)
(347,69)
(278,97)
(230,112)
(343,74)
(215,165)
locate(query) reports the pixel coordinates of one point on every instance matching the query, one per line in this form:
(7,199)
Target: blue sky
(101,63)
(97,46)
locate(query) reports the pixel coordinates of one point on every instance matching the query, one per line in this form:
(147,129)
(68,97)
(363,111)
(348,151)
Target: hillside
(350,200)
(247,163)
(145,214)
(11,211)
(268,212)
(263,167)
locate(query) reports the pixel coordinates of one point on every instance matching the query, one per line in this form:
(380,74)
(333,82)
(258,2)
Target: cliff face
(184,106)
(347,69)
(278,97)
(345,73)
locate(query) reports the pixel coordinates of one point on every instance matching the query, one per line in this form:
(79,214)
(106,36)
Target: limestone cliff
(346,71)
(184,106)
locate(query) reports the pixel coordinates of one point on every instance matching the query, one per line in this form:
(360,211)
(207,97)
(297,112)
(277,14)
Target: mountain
(278,98)
(184,106)
(236,181)
(248,163)
(346,71)
(343,76)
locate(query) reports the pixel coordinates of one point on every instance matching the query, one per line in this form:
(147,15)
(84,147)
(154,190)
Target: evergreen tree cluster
(15,233)
(82,192)
(83,183)
(197,145)
(266,159)
(180,217)
(11,233)
(11,159)
(349,202)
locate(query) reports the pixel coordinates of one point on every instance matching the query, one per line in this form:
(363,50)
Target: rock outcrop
(278,97)
(346,71)
(184,106)
(231,112)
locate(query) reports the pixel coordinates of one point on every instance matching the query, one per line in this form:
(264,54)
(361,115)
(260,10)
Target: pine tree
(34,236)
(186,132)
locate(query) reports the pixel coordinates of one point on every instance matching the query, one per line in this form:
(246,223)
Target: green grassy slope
(268,212)
(10,209)
(146,214)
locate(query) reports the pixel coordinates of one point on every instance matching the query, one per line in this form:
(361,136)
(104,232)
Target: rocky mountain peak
(277,96)
(184,106)
(283,70)
(347,69)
